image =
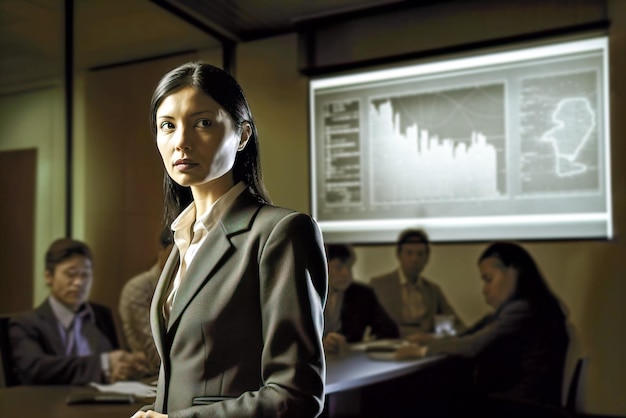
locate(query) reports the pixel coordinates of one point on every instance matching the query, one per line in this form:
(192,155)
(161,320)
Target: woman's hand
(126,366)
(421,337)
(409,351)
(148,414)
(335,343)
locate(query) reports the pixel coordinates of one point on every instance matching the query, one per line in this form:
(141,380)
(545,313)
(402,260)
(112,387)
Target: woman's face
(197,138)
(498,281)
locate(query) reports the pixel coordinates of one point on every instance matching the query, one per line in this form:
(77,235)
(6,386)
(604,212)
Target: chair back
(7,373)
(575,403)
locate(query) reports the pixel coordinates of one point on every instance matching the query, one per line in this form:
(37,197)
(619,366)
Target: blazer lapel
(204,264)
(94,335)
(215,248)
(157,322)
(46,313)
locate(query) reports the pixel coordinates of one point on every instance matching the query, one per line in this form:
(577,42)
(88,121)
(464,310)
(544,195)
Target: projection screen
(506,145)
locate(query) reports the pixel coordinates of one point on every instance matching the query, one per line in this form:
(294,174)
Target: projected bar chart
(414,165)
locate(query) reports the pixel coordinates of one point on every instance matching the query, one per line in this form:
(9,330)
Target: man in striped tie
(66,339)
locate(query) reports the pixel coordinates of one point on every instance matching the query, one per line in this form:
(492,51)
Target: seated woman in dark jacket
(519,349)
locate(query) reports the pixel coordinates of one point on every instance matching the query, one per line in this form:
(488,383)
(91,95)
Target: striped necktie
(77,344)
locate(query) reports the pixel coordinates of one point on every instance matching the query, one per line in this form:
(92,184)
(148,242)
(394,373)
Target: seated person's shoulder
(103,312)
(360,288)
(430,283)
(384,278)
(514,310)
(22,314)
(98,307)
(138,287)
(23,317)
(517,306)
(522,312)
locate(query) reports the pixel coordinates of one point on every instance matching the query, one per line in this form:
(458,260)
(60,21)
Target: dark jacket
(360,309)
(39,353)
(519,352)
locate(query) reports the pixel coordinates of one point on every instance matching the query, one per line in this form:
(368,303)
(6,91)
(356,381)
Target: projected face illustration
(574,121)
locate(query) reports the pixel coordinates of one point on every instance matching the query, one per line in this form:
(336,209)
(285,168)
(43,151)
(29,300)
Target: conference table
(355,369)
(349,374)
(373,385)
(50,402)
(348,377)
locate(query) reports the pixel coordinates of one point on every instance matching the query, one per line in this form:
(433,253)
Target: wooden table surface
(350,371)
(50,402)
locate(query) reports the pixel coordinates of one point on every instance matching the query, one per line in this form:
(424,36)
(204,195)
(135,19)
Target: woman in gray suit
(237,315)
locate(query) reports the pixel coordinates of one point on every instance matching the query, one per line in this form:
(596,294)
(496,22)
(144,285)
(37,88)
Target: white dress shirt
(190,232)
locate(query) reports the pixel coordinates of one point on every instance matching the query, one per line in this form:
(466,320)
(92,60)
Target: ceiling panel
(246,20)
(106,32)
(110,32)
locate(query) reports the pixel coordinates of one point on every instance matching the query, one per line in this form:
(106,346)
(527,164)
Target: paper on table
(364,345)
(382,355)
(138,389)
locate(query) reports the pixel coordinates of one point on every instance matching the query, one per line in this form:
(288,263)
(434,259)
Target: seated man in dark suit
(67,340)
(351,307)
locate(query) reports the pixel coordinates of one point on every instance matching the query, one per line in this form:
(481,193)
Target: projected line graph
(445,145)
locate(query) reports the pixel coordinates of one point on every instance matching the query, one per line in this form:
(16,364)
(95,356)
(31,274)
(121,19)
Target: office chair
(572,407)
(575,402)
(7,376)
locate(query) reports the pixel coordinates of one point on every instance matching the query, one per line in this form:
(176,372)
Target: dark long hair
(531,285)
(226,91)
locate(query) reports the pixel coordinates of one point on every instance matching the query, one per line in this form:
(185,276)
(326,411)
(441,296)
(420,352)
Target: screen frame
(383,231)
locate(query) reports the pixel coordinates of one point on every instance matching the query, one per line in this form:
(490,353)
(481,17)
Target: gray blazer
(244,335)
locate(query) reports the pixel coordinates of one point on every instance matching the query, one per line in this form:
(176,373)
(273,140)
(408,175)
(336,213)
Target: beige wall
(277,93)
(33,119)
